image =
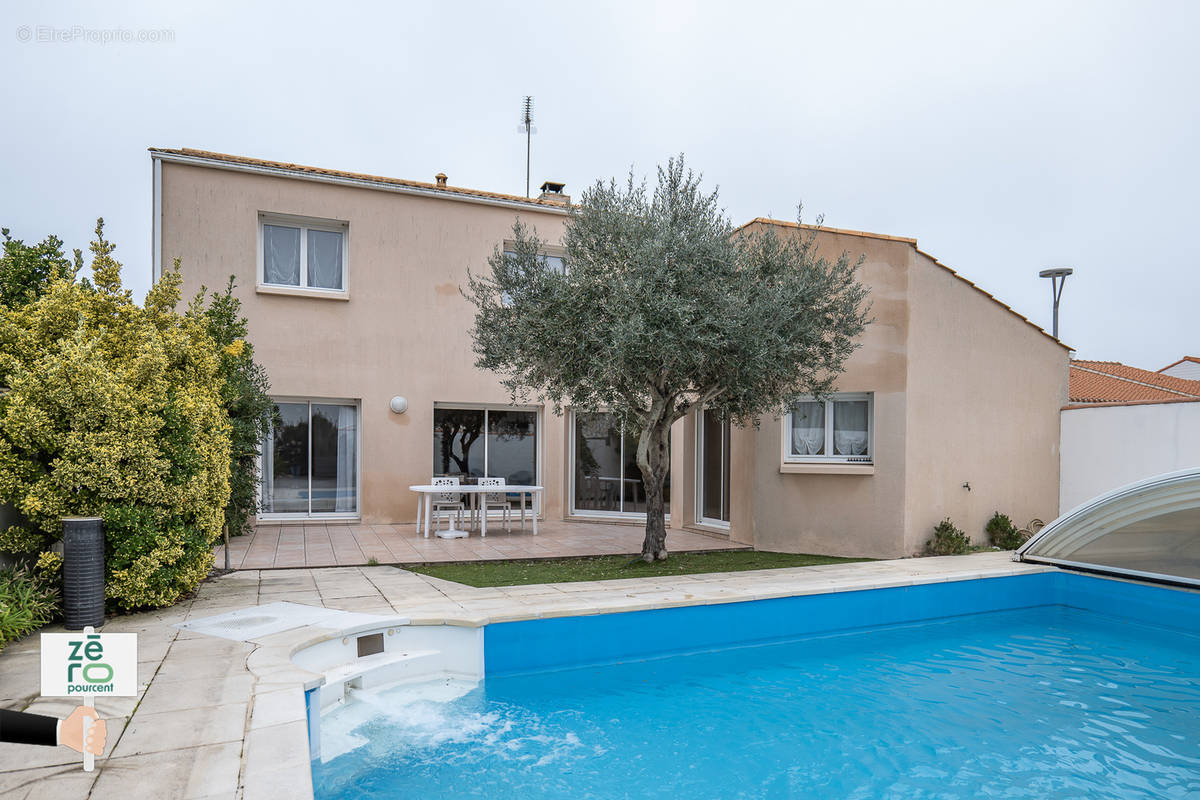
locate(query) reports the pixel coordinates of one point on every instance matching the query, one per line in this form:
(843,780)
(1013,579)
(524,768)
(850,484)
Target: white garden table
(427,491)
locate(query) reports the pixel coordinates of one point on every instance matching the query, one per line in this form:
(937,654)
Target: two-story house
(351,286)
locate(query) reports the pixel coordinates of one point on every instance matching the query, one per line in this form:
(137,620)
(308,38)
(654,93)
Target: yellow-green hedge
(114,409)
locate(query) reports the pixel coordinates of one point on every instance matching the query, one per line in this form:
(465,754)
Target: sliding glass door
(479,442)
(310,460)
(712,470)
(607,479)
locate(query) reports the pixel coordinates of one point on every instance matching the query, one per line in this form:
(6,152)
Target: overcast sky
(1006,137)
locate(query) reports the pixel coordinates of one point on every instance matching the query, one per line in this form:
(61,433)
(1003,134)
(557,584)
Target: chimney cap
(553,187)
(440,178)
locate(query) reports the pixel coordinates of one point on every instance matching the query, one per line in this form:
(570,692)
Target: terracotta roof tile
(1113,382)
(358,176)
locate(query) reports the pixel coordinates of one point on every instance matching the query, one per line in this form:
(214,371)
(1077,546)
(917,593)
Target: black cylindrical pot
(83,572)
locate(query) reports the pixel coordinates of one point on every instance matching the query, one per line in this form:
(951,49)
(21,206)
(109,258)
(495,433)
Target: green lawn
(603,568)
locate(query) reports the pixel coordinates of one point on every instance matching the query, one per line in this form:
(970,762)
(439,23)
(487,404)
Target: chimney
(553,193)
(441,180)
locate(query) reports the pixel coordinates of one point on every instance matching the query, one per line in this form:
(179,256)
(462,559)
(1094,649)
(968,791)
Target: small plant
(947,540)
(27,602)
(372,562)
(1002,533)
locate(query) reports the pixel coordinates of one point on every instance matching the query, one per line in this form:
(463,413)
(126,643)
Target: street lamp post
(1058,278)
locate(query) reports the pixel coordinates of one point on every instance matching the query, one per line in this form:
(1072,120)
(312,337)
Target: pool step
(381,669)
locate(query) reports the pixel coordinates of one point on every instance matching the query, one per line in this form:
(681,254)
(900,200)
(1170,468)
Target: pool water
(1046,702)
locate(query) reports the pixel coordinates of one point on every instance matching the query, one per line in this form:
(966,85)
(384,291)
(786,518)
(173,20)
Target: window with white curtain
(835,428)
(310,459)
(302,253)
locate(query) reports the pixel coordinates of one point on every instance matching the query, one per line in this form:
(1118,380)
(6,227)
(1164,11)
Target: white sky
(1007,137)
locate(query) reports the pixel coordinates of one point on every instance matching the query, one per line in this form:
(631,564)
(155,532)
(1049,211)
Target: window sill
(830,468)
(298,291)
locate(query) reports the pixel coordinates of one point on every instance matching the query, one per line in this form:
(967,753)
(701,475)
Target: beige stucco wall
(964,391)
(838,513)
(404,331)
(984,393)
(988,386)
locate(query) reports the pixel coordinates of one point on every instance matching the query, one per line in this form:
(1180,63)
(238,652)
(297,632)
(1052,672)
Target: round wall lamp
(398,404)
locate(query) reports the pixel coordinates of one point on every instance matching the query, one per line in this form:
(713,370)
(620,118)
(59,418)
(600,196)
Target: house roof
(913,242)
(1113,382)
(227,161)
(1185,359)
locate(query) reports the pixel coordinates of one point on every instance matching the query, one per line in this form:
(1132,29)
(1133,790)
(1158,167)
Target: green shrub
(28,600)
(245,393)
(947,540)
(1002,533)
(115,410)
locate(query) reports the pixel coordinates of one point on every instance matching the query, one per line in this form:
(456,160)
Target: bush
(28,600)
(947,540)
(1002,533)
(115,410)
(245,393)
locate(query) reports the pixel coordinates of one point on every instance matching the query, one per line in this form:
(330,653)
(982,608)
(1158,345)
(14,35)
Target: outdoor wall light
(398,404)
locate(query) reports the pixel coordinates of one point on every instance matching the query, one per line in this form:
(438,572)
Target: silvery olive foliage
(664,307)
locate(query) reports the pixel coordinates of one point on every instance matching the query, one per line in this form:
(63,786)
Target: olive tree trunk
(654,460)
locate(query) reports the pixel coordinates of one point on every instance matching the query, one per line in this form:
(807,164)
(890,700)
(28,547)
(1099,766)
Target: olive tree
(664,308)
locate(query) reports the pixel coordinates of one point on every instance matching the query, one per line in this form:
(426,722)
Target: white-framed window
(554,258)
(839,428)
(311,459)
(302,254)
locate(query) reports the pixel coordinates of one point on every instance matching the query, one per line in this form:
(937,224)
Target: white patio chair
(447,501)
(495,500)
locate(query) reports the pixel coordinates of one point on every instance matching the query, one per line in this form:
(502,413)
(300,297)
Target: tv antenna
(526,127)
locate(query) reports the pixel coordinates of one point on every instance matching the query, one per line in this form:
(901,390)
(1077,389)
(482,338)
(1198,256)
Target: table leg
(420,506)
(522,511)
(483,521)
(535,514)
(428,511)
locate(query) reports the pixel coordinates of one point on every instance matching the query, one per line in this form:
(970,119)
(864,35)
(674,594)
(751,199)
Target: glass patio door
(310,460)
(607,479)
(712,458)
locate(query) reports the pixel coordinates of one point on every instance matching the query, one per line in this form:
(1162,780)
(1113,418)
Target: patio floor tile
(317,545)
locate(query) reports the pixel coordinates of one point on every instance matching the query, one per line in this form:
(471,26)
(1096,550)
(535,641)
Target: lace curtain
(808,428)
(850,427)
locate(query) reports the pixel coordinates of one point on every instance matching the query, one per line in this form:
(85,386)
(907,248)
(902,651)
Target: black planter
(83,572)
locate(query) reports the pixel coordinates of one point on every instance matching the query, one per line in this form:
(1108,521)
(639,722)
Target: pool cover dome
(1148,530)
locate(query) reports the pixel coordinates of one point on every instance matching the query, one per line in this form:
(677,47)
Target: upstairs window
(838,428)
(553,261)
(303,254)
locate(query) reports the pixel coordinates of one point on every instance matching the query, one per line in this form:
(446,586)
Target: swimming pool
(1050,685)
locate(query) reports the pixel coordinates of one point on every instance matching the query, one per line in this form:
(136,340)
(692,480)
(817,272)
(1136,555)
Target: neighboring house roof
(913,242)
(206,158)
(1187,367)
(1113,382)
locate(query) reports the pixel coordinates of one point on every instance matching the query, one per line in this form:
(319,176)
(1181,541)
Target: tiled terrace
(334,545)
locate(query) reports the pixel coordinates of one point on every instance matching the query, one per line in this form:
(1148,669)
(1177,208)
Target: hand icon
(71,733)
